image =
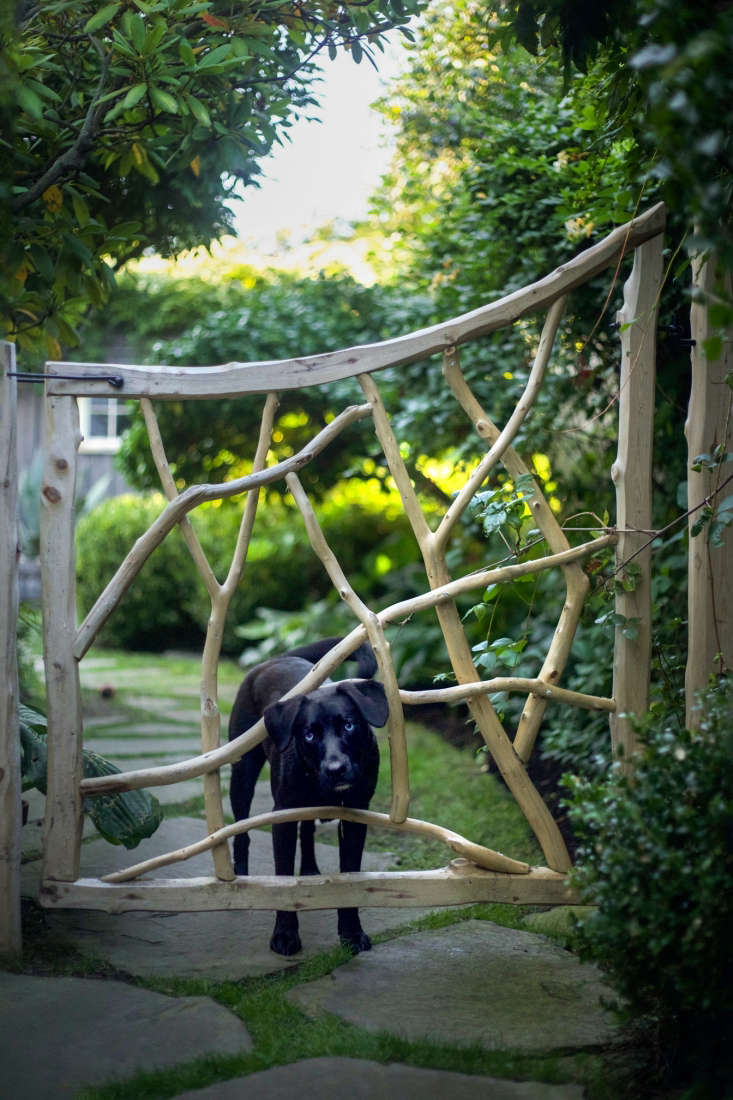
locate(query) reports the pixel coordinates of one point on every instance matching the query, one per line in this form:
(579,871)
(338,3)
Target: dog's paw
(285,942)
(356,942)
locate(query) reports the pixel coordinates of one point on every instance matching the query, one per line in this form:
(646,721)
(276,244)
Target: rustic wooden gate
(478,874)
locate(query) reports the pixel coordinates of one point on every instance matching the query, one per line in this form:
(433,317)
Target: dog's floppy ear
(280,718)
(369,696)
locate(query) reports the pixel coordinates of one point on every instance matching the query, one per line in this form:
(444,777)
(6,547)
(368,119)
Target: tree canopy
(666,84)
(126,126)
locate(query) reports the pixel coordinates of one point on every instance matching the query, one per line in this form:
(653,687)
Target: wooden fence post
(632,476)
(10,781)
(710,576)
(63,821)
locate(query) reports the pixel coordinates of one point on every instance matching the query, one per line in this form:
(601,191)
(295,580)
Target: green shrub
(363,527)
(656,857)
(152,614)
(167,605)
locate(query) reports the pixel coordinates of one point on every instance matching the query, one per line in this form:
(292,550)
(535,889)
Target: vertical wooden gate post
(10,782)
(710,576)
(63,821)
(632,476)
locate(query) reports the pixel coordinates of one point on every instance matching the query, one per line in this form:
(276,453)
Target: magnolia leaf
(101,18)
(215,56)
(134,95)
(198,110)
(164,101)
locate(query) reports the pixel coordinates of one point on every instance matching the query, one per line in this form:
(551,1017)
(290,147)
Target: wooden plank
(10,778)
(632,476)
(709,422)
(234,379)
(460,883)
(63,821)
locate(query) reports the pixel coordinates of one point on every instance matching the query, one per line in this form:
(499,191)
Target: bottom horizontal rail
(461,882)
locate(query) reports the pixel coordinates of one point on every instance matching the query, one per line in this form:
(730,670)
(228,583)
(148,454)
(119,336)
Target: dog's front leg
(308,865)
(285,939)
(245,773)
(351,848)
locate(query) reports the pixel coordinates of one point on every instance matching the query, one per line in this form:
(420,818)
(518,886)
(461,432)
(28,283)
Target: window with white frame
(102,421)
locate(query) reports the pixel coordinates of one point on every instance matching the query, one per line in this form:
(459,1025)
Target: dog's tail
(366,663)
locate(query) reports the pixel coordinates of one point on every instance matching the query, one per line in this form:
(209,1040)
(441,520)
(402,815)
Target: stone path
(335,1078)
(63,1033)
(471,983)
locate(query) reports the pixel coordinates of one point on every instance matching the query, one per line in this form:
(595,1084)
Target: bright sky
(329,168)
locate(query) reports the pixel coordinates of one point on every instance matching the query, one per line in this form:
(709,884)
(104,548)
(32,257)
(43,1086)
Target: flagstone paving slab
(224,945)
(358,1079)
(476,983)
(175,743)
(59,1034)
(102,721)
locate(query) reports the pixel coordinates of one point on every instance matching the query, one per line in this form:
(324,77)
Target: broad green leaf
(42,260)
(125,818)
(81,210)
(29,101)
(185,52)
(215,56)
(134,95)
(101,18)
(198,110)
(137,31)
(713,347)
(164,101)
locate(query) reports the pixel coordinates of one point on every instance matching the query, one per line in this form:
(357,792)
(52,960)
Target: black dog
(322,752)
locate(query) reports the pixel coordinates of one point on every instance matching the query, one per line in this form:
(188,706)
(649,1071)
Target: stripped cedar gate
(478,874)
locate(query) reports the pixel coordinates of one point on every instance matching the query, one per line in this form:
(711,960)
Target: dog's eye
(349,726)
(309,736)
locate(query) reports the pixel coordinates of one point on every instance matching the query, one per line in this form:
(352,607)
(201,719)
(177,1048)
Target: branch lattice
(510,754)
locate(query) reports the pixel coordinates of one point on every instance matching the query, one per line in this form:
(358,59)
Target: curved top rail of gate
(237,379)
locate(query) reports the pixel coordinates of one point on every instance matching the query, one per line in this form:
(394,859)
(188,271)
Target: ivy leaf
(722,519)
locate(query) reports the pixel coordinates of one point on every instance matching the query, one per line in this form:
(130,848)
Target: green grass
(448,787)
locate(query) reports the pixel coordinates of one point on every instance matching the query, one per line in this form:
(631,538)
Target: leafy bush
(152,614)
(656,857)
(167,604)
(125,817)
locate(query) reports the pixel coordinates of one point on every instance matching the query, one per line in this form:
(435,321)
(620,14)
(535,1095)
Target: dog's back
(268,681)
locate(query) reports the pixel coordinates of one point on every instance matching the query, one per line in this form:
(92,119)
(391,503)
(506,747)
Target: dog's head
(330,730)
